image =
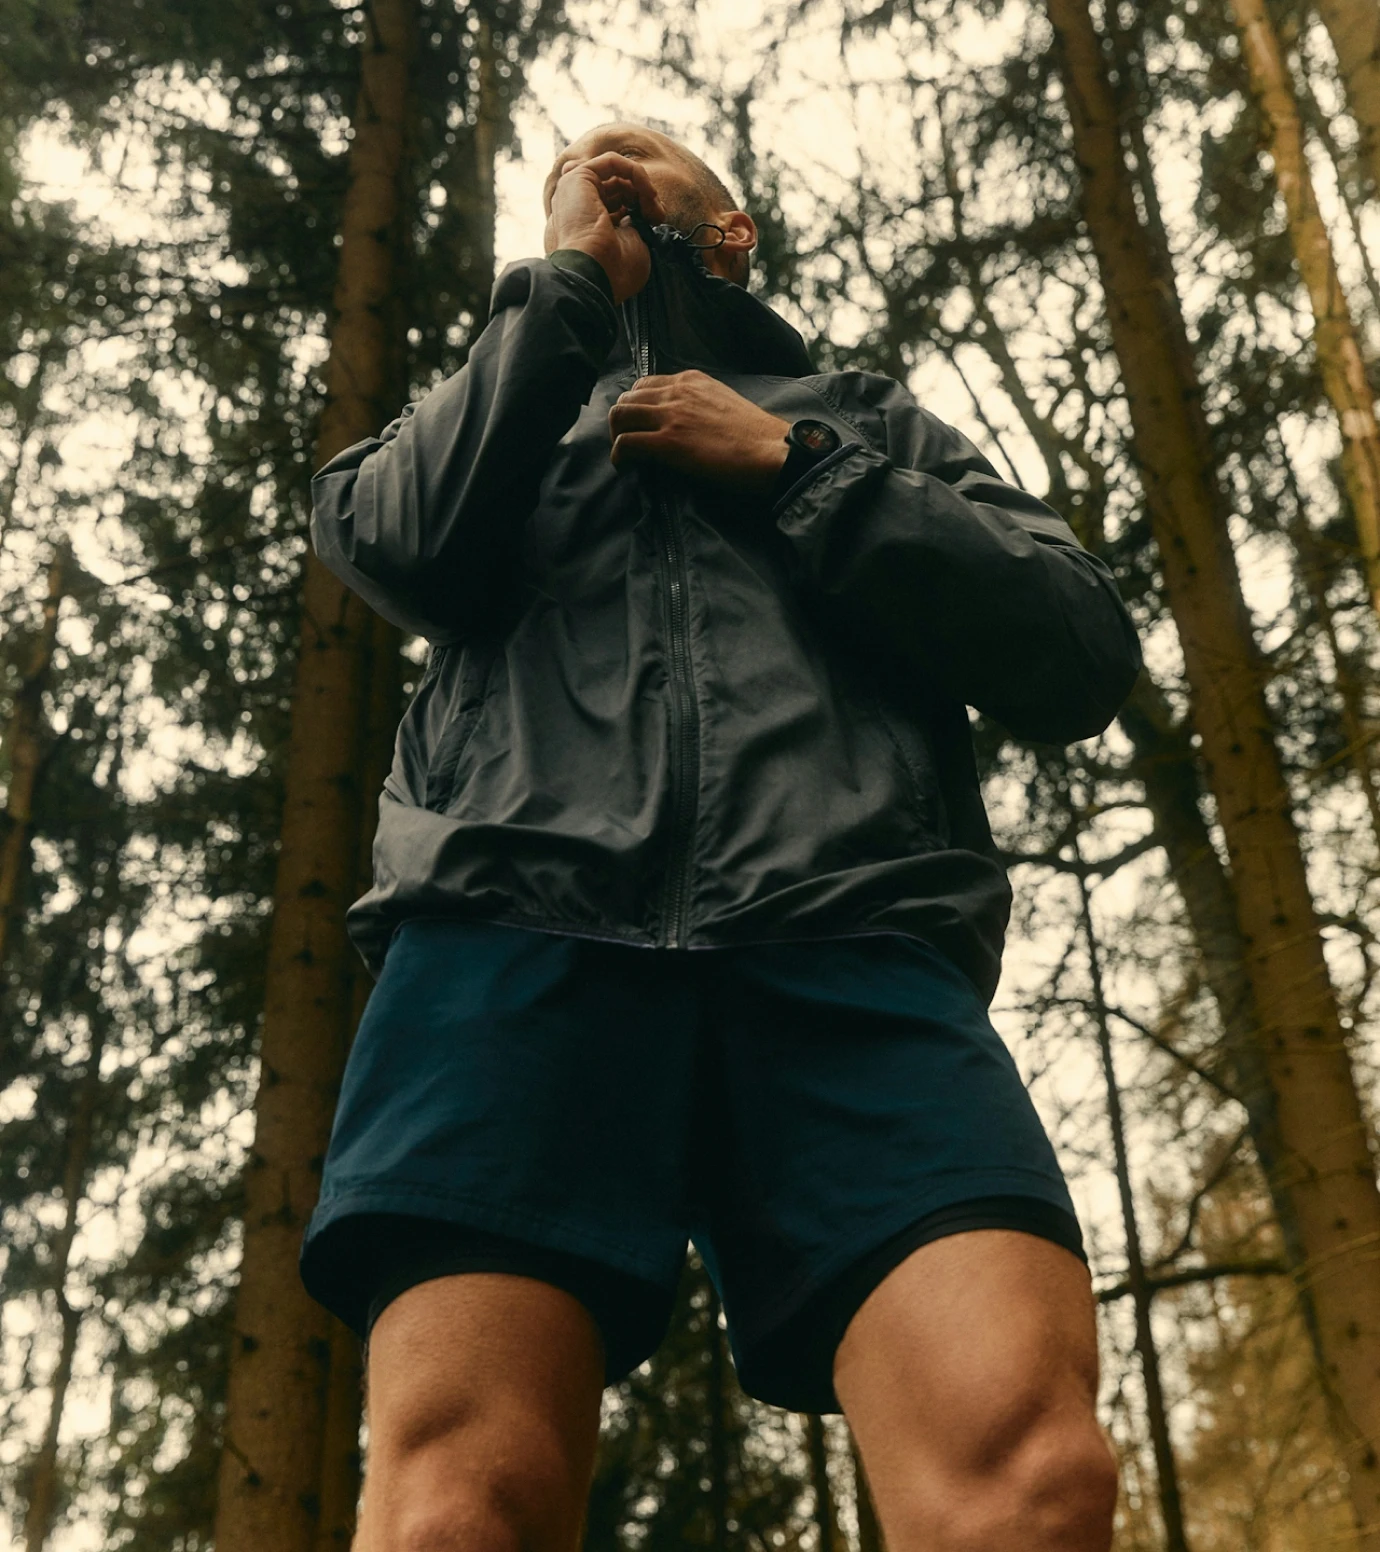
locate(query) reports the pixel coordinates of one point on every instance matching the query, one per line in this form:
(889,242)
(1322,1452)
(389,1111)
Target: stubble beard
(686,212)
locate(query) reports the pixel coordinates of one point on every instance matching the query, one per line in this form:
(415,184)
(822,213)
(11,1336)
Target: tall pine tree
(1327,1163)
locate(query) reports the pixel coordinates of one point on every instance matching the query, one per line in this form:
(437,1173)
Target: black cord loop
(713,227)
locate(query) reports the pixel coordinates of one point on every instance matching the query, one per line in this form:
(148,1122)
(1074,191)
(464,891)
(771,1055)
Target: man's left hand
(695,424)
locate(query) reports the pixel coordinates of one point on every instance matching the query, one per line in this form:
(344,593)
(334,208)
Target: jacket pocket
(912,748)
(407,776)
(471,687)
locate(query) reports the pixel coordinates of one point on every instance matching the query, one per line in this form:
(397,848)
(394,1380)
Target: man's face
(671,172)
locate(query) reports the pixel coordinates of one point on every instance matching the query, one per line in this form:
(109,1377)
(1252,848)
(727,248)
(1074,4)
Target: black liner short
(574,1110)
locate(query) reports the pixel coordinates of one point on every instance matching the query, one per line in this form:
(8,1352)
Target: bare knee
(1060,1483)
(470,1512)
(472,1472)
(483,1418)
(489,1485)
(1051,1488)
(449,1524)
(970,1378)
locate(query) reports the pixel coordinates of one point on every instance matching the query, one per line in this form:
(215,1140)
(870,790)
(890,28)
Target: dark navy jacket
(664,714)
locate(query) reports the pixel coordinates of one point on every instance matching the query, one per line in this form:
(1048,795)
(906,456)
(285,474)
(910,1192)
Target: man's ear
(732,258)
(740,232)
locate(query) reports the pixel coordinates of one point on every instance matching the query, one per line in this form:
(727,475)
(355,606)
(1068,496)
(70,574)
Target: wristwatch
(808,442)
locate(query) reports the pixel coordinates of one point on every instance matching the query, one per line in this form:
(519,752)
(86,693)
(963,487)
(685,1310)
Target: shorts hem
(454,1207)
(976,1184)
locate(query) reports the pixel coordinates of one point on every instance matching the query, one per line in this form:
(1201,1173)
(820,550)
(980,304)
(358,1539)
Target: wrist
(808,443)
(771,459)
(579,262)
(608,259)
(756,464)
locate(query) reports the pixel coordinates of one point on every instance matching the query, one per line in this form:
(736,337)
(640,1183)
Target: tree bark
(488,122)
(341,1460)
(28,402)
(340,1451)
(1313,572)
(1354,27)
(1326,1160)
(1142,1295)
(1349,183)
(43,1472)
(1340,363)
(819,1478)
(470,179)
(43,1482)
(869,1530)
(26,750)
(1166,765)
(717,1401)
(271,1468)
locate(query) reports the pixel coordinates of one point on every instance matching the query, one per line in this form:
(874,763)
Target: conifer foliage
(1132,250)
(282,1349)
(687,1460)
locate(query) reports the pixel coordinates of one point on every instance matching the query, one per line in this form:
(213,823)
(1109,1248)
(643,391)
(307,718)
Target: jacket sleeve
(977,587)
(424,521)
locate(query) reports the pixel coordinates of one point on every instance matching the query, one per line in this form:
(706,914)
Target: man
(686,913)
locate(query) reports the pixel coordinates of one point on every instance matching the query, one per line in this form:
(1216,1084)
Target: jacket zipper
(685,719)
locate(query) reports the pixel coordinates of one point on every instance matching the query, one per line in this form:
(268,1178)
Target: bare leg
(969,1378)
(483,1418)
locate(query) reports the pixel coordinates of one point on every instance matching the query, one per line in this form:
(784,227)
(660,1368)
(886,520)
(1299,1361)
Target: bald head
(691,191)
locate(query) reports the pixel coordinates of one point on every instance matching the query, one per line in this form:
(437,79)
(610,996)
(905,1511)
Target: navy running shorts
(808,1113)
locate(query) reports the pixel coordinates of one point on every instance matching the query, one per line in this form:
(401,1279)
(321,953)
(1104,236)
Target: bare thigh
(969,1377)
(483,1412)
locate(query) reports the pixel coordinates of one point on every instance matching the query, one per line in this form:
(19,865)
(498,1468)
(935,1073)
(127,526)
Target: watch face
(814,435)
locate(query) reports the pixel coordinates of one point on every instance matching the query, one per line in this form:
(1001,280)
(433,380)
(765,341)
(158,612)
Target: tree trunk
(470,179)
(488,122)
(43,1473)
(42,1476)
(869,1531)
(271,1467)
(1326,1160)
(1340,363)
(1156,1413)
(819,1479)
(340,1451)
(26,749)
(1354,26)
(341,1461)
(1314,571)
(28,403)
(1349,183)
(717,1401)
(1166,765)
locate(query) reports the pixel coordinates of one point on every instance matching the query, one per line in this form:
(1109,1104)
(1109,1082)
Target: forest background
(1131,250)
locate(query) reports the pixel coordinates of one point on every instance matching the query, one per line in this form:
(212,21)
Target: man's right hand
(591,209)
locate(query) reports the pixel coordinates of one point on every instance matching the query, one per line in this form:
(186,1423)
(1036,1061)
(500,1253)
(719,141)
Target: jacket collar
(698,320)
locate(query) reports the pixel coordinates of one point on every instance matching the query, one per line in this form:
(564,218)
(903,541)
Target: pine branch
(1187,1276)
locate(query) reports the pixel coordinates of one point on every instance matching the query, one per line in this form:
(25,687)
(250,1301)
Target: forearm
(994,605)
(425,520)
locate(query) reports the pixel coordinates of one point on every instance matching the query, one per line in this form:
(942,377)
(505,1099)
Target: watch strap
(799,461)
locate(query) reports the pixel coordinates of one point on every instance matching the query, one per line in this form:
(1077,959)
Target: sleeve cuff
(584,264)
(792,484)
